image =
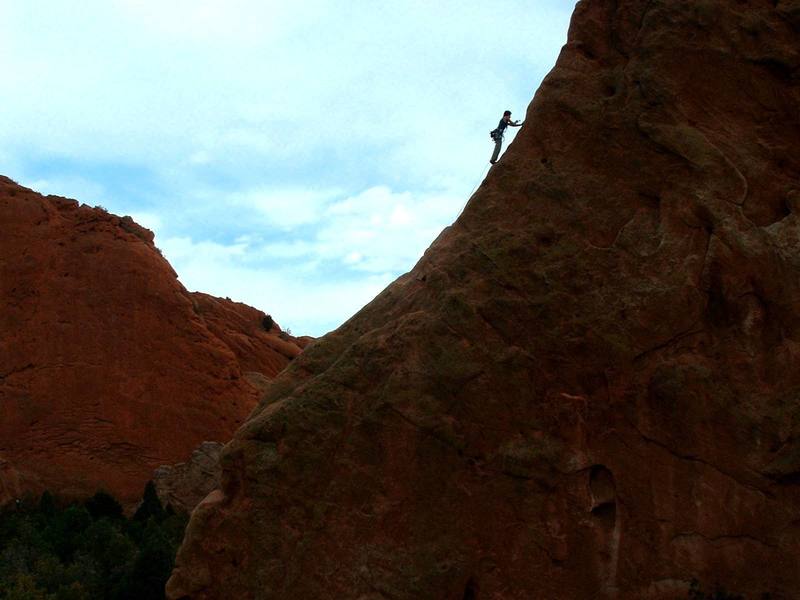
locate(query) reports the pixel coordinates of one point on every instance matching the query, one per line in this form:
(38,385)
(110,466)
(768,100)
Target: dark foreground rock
(589,385)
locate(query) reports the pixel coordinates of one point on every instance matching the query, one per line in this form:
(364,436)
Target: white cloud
(218,21)
(295,249)
(201,157)
(353,248)
(382,231)
(149,80)
(296,156)
(151,221)
(185,250)
(286,208)
(309,305)
(76,187)
(400,216)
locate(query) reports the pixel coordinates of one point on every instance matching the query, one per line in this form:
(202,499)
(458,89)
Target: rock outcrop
(588,387)
(108,366)
(184,485)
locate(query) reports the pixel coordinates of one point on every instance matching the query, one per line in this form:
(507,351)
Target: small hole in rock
(605,511)
(790,479)
(586,51)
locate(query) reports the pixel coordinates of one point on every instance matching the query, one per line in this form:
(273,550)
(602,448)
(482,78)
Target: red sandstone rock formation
(242,329)
(589,385)
(108,366)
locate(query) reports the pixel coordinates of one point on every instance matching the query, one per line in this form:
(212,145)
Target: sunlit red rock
(108,366)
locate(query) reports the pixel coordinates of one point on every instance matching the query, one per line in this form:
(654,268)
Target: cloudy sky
(294,156)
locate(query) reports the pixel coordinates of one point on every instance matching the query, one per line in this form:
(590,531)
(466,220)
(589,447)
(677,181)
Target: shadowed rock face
(108,366)
(588,386)
(184,485)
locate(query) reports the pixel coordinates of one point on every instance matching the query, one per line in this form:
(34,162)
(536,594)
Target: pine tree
(151,506)
(102,505)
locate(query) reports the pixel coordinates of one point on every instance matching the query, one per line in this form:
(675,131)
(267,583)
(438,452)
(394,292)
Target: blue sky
(294,156)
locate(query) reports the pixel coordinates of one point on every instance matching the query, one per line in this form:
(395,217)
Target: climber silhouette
(497,134)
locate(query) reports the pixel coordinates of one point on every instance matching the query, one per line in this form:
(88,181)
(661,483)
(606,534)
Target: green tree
(106,556)
(88,551)
(150,506)
(23,587)
(47,504)
(73,591)
(104,505)
(66,529)
(152,567)
(50,573)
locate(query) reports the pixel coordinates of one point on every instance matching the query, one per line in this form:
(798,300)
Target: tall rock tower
(589,386)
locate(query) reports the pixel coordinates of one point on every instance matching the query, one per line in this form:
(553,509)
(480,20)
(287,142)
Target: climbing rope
(477,183)
(475,187)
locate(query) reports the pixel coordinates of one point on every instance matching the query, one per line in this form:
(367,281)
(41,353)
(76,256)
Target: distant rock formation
(588,387)
(184,485)
(108,366)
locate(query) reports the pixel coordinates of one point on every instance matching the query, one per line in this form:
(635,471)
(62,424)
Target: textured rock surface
(184,485)
(241,327)
(11,486)
(108,366)
(589,385)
